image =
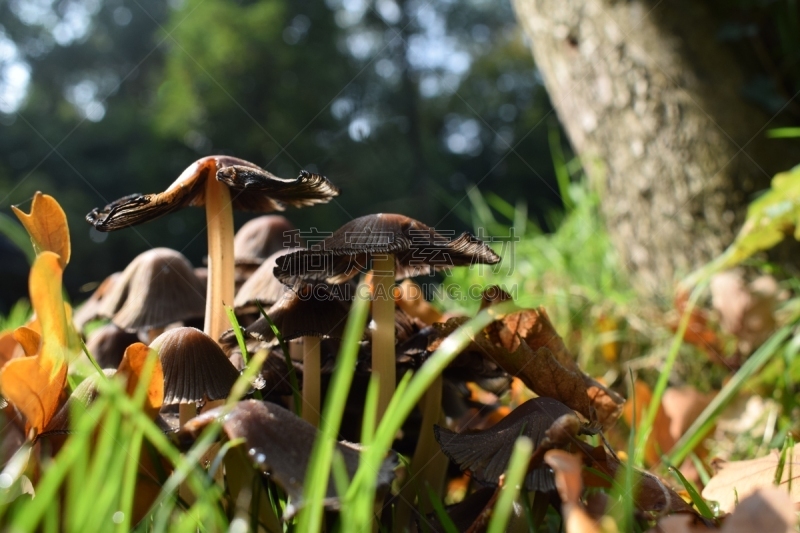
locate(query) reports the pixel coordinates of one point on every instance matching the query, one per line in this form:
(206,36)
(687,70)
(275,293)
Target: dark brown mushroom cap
(262,286)
(486,453)
(417,248)
(311,311)
(189,190)
(157,288)
(262,237)
(107,344)
(280,444)
(251,185)
(195,367)
(90,309)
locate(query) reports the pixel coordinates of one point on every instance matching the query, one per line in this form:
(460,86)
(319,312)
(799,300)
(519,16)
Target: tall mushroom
(221,184)
(392,247)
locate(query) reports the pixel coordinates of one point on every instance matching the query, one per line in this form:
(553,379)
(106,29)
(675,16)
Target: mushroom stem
(219,220)
(311,380)
(383,355)
(428,465)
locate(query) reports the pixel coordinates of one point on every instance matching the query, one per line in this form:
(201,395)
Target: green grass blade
(698,500)
(700,427)
(514,477)
(441,513)
(316,482)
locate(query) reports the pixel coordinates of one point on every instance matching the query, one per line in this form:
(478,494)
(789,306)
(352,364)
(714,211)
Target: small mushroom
(393,247)
(157,288)
(261,287)
(486,453)
(261,237)
(280,444)
(90,309)
(311,313)
(107,344)
(195,368)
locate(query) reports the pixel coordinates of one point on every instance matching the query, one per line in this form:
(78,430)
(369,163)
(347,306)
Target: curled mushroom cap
(486,453)
(195,367)
(253,189)
(157,288)
(417,249)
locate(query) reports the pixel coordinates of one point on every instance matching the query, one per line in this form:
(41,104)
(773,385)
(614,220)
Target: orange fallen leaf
(28,339)
(34,384)
(47,226)
(660,440)
(408,296)
(133,366)
(738,479)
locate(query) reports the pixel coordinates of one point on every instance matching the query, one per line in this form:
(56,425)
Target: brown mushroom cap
(90,309)
(280,443)
(312,311)
(486,453)
(107,344)
(195,367)
(262,237)
(157,288)
(254,189)
(262,286)
(417,249)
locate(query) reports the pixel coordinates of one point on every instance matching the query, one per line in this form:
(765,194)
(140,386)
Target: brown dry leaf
(745,310)
(650,493)
(34,384)
(660,439)
(767,509)
(742,478)
(47,226)
(567,470)
(409,297)
(133,366)
(28,339)
(683,405)
(698,331)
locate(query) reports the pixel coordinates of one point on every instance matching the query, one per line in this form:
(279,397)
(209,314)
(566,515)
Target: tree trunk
(651,103)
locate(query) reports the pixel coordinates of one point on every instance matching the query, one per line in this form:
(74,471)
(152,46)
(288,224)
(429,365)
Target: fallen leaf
(47,226)
(28,339)
(682,405)
(9,347)
(739,479)
(651,495)
(409,297)
(34,384)
(745,310)
(567,470)
(133,366)
(660,440)
(767,509)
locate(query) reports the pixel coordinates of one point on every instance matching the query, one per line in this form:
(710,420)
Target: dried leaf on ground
(738,479)
(133,366)
(567,470)
(410,298)
(47,226)
(34,384)
(745,310)
(651,495)
(660,440)
(767,509)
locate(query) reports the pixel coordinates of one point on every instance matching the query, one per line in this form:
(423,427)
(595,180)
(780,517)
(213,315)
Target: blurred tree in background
(403,105)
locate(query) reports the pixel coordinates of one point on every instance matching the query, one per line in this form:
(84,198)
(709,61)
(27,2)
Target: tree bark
(651,103)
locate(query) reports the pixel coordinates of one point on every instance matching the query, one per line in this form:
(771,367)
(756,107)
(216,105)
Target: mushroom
(280,444)
(107,344)
(90,309)
(486,453)
(261,287)
(157,288)
(220,183)
(392,247)
(195,368)
(313,312)
(261,237)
